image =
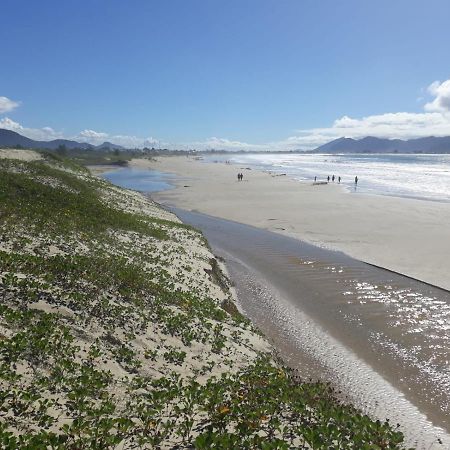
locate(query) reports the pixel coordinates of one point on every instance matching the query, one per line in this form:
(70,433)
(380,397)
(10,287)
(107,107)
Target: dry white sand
(23,155)
(405,235)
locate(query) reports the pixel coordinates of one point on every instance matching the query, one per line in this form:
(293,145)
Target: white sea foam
(417,176)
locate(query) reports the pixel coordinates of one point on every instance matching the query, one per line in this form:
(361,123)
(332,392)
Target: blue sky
(229,73)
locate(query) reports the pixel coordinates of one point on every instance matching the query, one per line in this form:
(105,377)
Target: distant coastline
(422,177)
(368,144)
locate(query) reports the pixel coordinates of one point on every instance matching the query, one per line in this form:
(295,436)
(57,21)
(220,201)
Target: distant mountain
(10,138)
(372,144)
(109,146)
(52,145)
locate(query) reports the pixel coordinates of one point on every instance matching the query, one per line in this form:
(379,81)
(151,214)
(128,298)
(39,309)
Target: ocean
(424,177)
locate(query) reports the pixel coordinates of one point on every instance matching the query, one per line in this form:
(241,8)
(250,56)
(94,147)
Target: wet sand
(379,337)
(405,235)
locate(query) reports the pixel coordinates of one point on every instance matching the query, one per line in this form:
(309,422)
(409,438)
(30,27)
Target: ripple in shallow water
(380,337)
(362,386)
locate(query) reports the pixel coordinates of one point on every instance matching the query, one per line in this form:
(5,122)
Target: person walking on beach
(356,180)
(328,178)
(239,177)
(242,176)
(315,179)
(332,178)
(339,180)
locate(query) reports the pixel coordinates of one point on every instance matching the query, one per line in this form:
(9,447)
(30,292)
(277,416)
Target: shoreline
(378,369)
(150,349)
(317,339)
(402,235)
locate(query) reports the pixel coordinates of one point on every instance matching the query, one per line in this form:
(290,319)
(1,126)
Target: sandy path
(405,235)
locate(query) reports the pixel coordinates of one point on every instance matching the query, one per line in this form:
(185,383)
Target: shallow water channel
(381,338)
(139,179)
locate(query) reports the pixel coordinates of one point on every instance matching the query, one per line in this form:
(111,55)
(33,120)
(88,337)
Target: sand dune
(23,155)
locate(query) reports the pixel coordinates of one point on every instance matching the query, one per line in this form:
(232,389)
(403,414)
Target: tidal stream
(380,338)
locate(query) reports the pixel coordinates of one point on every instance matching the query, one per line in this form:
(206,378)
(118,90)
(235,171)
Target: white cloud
(7,105)
(401,125)
(135,141)
(215,143)
(91,134)
(441,92)
(151,142)
(97,137)
(9,124)
(39,134)
(435,121)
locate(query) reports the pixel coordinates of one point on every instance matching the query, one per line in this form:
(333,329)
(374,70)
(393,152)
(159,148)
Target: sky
(224,74)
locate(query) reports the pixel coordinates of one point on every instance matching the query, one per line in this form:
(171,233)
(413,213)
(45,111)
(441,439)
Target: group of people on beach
(333,178)
(240,176)
(338,178)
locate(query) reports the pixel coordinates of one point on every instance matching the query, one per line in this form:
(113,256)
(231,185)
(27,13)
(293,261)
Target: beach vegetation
(118,330)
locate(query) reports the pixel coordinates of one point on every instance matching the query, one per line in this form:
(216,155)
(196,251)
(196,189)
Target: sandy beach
(404,235)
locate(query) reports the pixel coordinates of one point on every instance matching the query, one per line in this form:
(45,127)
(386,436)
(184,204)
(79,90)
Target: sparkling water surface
(379,337)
